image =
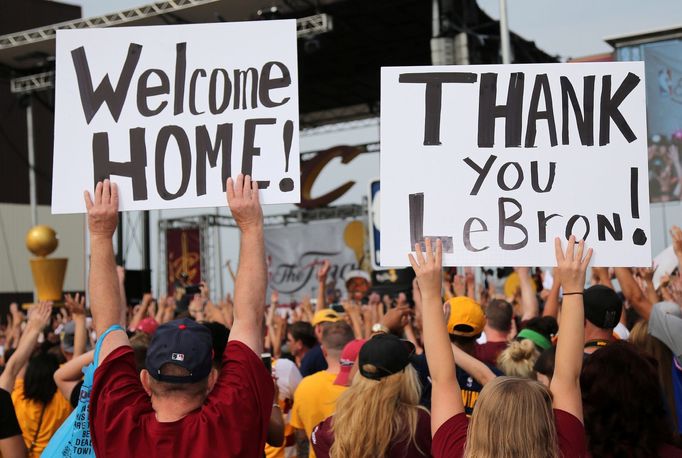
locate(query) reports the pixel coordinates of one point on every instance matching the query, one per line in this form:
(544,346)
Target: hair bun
(523,350)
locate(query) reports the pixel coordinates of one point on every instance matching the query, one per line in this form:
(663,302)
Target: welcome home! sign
(170,112)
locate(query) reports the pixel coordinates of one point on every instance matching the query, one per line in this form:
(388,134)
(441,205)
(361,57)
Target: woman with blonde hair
(379,415)
(518,359)
(513,417)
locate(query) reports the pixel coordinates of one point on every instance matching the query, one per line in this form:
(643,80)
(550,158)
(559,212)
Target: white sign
(295,253)
(170,112)
(497,160)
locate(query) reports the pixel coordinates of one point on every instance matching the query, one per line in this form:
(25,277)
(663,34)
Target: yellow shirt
(314,400)
(28,414)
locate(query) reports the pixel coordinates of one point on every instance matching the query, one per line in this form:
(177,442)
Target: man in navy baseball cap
(178,405)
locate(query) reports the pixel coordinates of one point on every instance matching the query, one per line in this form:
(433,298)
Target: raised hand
(75,305)
(39,316)
(103,211)
(396,319)
(243,199)
(323,271)
(571,264)
(428,268)
(459,285)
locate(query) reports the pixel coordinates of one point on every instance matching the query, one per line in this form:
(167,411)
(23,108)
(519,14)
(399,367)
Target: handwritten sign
(496,161)
(170,112)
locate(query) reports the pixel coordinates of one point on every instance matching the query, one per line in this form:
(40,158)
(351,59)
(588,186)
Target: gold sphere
(41,240)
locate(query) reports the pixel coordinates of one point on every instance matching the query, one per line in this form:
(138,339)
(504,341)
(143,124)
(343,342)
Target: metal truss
(32,83)
(107,20)
(314,25)
(305,27)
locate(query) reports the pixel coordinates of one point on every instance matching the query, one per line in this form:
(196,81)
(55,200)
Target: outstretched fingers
(88,200)
(255,195)
(559,253)
(419,254)
(98,193)
(586,261)
(229,188)
(114,195)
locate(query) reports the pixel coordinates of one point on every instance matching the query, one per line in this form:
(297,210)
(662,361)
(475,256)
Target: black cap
(387,353)
(184,343)
(602,306)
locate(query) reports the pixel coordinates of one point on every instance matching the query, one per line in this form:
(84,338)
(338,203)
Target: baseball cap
(67,336)
(348,356)
(387,353)
(288,377)
(148,325)
(357,274)
(602,306)
(184,343)
(466,317)
(325,316)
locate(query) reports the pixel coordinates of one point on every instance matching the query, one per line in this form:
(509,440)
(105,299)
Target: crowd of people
(554,365)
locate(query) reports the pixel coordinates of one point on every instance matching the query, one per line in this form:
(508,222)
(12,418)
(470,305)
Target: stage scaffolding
(212,265)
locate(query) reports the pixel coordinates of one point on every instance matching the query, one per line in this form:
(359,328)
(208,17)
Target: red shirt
(323,438)
(489,351)
(232,422)
(450,438)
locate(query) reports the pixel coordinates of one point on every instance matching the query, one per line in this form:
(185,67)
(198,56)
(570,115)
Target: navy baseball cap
(184,343)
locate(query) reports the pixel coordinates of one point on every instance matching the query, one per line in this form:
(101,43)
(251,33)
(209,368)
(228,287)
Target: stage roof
(338,70)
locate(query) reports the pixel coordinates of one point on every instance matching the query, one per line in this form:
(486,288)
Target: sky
(572,28)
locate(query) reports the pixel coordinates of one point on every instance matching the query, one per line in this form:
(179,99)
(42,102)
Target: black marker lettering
(501,173)
(92,100)
(609,108)
(466,236)
(510,221)
(103,167)
(162,140)
(489,111)
(541,86)
(206,150)
(250,150)
(144,91)
(584,119)
(433,97)
(266,84)
(482,172)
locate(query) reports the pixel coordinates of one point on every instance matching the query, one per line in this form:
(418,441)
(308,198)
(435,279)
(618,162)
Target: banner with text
(498,160)
(170,112)
(295,252)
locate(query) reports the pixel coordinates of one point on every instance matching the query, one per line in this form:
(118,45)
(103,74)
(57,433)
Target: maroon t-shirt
(450,438)
(489,351)
(322,439)
(232,422)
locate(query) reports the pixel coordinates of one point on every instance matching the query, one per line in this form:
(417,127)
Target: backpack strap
(98,346)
